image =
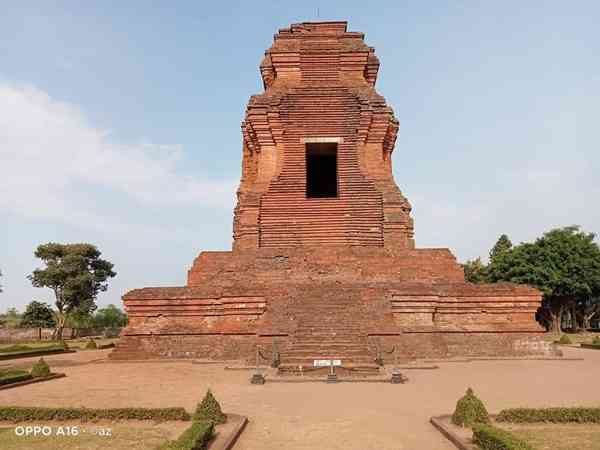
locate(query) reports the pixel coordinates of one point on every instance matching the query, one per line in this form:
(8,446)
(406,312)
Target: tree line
(564,264)
(40,315)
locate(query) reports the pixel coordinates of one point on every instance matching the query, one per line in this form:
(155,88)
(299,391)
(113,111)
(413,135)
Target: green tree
(564,264)
(75,273)
(502,245)
(475,271)
(38,315)
(82,316)
(110,317)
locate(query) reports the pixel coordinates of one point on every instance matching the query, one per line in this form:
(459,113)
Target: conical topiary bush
(469,411)
(40,369)
(209,409)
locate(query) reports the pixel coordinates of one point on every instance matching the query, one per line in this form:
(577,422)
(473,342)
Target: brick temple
(324,262)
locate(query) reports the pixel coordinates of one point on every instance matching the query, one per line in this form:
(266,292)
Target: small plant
(64,344)
(596,340)
(40,369)
(209,409)
(470,410)
(565,340)
(91,345)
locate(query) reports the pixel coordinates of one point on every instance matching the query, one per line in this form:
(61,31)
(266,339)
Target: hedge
(552,415)
(18,348)
(488,437)
(23,414)
(9,376)
(196,437)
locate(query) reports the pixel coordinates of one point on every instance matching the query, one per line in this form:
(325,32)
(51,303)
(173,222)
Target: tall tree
(475,271)
(564,264)
(75,273)
(503,244)
(38,315)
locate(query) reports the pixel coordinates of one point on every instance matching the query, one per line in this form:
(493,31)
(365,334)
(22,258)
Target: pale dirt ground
(299,416)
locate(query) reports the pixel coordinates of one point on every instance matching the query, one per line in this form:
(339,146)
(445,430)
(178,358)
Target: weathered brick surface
(325,277)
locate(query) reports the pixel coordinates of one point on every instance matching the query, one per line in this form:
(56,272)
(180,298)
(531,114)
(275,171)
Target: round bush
(91,345)
(209,409)
(564,339)
(40,369)
(469,411)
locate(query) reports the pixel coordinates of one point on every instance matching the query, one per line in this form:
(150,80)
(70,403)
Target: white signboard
(326,362)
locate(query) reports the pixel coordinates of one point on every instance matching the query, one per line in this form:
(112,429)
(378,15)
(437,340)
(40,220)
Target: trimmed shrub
(91,345)
(209,409)
(552,415)
(40,369)
(9,376)
(487,437)
(64,344)
(470,410)
(196,437)
(25,414)
(596,340)
(20,348)
(565,340)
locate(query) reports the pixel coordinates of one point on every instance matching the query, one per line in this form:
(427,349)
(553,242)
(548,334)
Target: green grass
(124,436)
(576,338)
(557,436)
(81,343)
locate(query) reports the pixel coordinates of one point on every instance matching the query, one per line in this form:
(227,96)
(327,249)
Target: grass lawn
(80,343)
(576,338)
(571,436)
(124,436)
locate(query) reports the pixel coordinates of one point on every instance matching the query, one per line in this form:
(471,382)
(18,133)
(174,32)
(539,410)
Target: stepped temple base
(323,264)
(347,303)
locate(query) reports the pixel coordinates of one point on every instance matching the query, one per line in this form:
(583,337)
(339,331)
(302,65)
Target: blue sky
(120,125)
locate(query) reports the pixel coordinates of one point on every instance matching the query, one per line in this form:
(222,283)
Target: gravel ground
(294,416)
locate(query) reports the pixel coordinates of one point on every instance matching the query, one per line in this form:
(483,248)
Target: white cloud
(49,152)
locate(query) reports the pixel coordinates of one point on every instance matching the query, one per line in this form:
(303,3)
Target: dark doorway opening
(321,170)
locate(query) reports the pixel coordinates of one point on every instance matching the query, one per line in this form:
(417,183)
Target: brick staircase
(127,349)
(329,326)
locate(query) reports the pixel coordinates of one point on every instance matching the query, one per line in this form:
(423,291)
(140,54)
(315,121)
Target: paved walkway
(351,416)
